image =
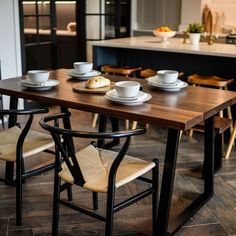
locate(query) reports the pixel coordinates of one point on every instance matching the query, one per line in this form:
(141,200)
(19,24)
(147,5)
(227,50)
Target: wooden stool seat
(220,125)
(213,81)
(146,73)
(125,70)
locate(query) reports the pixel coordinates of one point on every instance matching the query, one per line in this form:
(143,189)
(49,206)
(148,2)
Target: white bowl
(167,76)
(38,76)
(164,35)
(83,67)
(127,88)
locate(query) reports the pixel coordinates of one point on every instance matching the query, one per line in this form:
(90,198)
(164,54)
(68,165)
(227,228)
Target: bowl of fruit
(164,33)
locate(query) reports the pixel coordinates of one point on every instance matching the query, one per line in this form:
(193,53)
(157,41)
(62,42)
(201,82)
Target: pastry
(97,82)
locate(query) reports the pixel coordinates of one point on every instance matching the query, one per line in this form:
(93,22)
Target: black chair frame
(65,152)
(21,173)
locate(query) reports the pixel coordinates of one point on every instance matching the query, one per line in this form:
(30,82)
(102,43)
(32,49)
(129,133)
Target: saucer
(179,84)
(114,95)
(157,81)
(42,86)
(86,76)
(133,101)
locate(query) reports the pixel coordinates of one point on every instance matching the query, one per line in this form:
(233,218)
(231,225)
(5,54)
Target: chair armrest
(23,111)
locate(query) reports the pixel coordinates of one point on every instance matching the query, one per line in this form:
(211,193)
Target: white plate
(138,101)
(114,95)
(170,88)
(86,76)
(43,86)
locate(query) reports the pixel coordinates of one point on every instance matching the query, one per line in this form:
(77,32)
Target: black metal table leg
(9,168)
(167,181)
(163,226)
(218,152)
(102,128)
(209,148)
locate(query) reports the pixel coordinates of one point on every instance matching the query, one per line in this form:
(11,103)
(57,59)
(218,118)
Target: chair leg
(18,192)
(95,200)
(95,119)
(69,193)
(155,180)
(56,207)
(56,197)
(190,133)
(110,212)
(126,124)
(231,142)
(180,135)
(134,125)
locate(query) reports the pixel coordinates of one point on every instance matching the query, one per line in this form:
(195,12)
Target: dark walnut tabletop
(178,110)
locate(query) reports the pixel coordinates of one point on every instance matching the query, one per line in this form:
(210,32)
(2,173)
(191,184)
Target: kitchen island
(147,51)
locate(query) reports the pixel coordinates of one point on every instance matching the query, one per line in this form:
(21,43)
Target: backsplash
(223,12)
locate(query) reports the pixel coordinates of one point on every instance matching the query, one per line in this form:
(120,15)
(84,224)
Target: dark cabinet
(66,51)
(40,56)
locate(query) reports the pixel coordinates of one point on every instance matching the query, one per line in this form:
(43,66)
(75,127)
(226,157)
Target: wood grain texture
(180,110)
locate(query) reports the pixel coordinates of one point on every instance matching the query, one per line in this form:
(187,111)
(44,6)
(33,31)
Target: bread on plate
(97,82)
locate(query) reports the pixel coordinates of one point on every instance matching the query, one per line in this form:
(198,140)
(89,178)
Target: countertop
(173,45)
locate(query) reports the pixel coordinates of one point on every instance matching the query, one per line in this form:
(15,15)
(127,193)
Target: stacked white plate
(86,76)
(155,82)
(140,98)
(39,86)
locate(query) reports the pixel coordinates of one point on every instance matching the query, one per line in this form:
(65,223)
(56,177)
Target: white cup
(167,76)
(83,67)
(127,88)
(38,76)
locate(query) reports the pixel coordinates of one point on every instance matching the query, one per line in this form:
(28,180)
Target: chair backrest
(65,141)
(30,113)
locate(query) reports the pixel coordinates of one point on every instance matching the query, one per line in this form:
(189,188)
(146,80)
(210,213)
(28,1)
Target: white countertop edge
(175,45)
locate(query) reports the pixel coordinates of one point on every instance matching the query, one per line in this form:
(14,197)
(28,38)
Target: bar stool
(127,71)
(211,81)
(231,142)
(219,83)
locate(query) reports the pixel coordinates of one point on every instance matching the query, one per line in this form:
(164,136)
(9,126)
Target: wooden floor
(217,218)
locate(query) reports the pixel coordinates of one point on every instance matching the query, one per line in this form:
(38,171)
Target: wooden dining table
(175,111)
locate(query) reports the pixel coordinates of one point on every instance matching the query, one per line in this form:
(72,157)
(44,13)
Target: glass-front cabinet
(107,19)
(48,35)
(54,33)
